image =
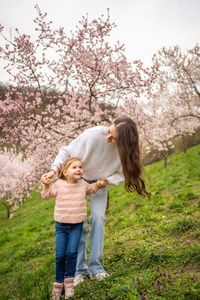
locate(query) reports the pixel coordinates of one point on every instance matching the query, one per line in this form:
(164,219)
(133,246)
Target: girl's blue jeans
(67,242)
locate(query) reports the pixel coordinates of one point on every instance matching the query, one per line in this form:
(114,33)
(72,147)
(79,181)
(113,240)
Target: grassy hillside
(152,247)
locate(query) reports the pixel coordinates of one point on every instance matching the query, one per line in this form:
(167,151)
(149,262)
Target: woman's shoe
(79,278)
(99,276)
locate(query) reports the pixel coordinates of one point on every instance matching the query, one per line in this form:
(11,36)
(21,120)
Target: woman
(111,153)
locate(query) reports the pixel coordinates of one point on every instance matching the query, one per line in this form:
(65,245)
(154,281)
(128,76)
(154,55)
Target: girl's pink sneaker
(69,287)
(57,290)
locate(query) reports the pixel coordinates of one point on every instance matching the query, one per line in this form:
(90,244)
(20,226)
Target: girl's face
(74,172)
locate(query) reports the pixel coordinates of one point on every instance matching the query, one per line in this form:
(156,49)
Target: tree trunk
(184,143)
(7,209)
(165,161)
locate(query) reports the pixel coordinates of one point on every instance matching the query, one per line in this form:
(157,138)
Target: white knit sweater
(100,159)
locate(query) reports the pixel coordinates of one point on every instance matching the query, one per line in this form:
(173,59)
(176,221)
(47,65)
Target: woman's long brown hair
(129,152)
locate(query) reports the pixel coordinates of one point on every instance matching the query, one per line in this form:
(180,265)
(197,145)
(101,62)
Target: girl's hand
(101,183)
(47,182)
(46,178)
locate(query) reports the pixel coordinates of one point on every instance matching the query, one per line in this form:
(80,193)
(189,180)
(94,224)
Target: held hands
(46,178)
(101,183)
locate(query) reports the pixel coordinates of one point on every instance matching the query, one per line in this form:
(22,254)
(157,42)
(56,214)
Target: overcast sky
(144,26)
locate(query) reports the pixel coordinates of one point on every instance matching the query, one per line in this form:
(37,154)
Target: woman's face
(112,135)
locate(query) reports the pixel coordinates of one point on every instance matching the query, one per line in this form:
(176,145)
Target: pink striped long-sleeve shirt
(70,206)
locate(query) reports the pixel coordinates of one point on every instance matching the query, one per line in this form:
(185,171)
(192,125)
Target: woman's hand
(101,183)
(46,178)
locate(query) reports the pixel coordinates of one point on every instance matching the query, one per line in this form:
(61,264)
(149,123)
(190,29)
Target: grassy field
(152,247)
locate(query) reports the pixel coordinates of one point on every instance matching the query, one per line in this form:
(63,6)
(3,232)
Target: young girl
(69,213)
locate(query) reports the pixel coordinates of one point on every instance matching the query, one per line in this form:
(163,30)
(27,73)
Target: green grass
(151,249)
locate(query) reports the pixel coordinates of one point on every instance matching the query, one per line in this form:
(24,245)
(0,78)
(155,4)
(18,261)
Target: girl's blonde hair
(66,165)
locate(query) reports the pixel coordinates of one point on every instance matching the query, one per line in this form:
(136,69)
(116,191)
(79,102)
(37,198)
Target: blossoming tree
(89,74)
(179,73)
(62,84)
